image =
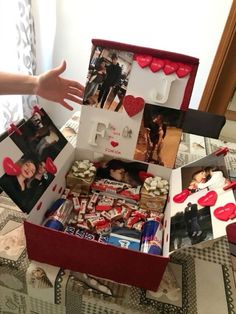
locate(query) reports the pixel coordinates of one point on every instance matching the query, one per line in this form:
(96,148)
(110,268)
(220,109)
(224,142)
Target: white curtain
(17,54)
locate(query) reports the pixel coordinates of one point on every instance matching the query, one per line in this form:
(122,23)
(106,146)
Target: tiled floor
(228,133)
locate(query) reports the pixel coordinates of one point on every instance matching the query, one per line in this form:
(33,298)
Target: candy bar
(106,185)
(105,203)
(83,206)
(76,204)
(96,221)
(104,228)
(131,221)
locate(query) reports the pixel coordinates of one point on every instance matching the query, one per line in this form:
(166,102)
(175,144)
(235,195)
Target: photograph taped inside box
(27,160)
(202,204)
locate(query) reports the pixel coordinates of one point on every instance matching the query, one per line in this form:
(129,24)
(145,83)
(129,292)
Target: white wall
(65,29)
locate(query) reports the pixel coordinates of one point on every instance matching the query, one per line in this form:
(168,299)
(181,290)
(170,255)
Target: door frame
(221,82)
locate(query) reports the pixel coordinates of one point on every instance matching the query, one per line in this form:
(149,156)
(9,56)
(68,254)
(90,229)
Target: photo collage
(143,97)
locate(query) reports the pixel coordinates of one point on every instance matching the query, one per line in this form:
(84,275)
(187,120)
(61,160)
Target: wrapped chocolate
(154,194)
(81,176)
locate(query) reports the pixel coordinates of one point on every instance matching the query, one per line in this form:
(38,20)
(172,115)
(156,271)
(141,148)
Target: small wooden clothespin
(37,109)
(222,151)
(231,185)
(13,128)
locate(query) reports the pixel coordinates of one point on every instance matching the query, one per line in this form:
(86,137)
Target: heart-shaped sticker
(181,197)
(10,167)
(170,67)
(39,206)
(50,166)
(143,175)
(183,70)
(114,143)
(143,60)
(209,199)
(226,212)
(133,105)
(156,65)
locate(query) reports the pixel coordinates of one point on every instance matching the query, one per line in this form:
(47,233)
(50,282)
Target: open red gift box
(112,123)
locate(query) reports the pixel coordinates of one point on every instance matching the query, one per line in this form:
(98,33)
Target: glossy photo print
(107,78)
(28,182)
(159,135)
(39,137)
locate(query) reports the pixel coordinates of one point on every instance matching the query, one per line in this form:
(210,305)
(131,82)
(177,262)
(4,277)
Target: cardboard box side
(110,262)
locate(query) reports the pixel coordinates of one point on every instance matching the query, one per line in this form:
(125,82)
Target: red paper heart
(209,199)
(10,167)
(143,60)
(226,212)
(143,175)
(39,206)
(133,105)
(156,65)
(50,166)
(183,70)
(114,143)
(170,67)
(181,197)
(60,190)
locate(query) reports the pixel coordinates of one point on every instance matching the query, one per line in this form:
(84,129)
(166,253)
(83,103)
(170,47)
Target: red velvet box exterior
(87,256)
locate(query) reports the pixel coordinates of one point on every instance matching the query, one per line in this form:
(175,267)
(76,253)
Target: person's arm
(48,85)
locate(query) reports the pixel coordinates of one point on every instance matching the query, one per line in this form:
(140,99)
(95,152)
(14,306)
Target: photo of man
(107,78)
(159,135)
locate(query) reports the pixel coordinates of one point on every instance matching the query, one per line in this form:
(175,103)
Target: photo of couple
(39,140)
(190,226)
(28,185)
(192,223)
(107,78)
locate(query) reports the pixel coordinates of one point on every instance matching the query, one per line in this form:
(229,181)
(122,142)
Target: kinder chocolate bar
(106,185)
(83,206)
(97,221)
(106,203)
(76,204)
(131,221)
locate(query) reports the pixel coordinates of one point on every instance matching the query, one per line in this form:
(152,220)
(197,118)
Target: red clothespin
(231,185)
(222,151)
(14,128)
(37,109)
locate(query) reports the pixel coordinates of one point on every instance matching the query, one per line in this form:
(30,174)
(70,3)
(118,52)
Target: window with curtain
(17,54)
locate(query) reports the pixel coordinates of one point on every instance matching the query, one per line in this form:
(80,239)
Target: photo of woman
(28,185)
(17,186)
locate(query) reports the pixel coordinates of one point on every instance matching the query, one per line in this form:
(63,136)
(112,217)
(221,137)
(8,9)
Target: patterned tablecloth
(197,279)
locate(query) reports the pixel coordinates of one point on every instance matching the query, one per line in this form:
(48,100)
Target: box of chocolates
(101,208)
